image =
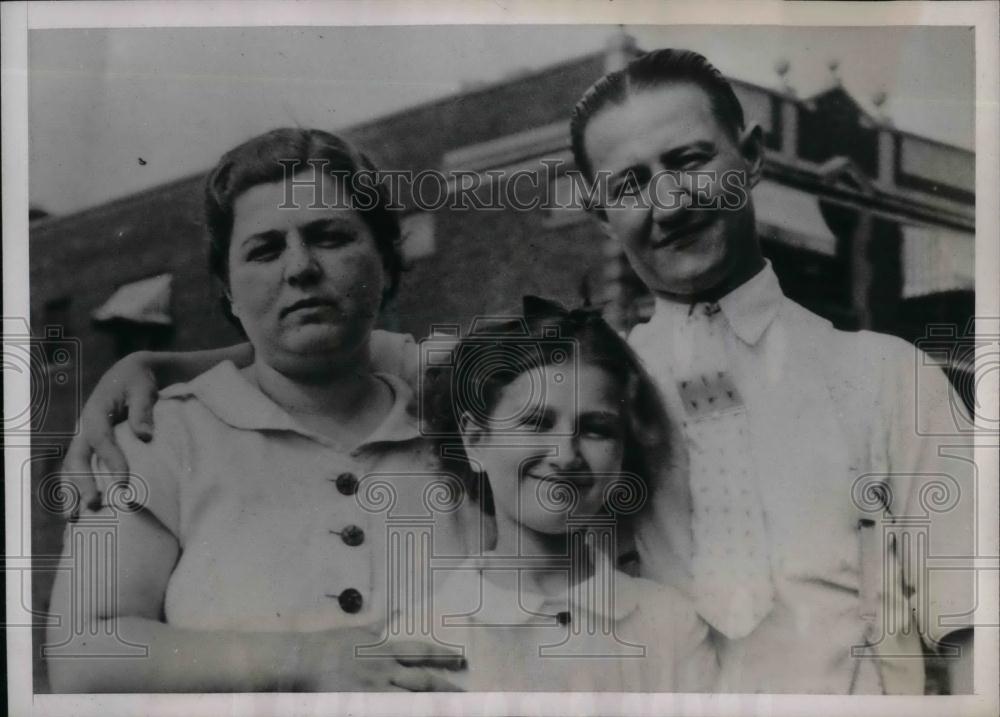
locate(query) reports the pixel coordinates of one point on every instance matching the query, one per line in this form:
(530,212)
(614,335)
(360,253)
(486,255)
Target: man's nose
(669,196)
(300,262)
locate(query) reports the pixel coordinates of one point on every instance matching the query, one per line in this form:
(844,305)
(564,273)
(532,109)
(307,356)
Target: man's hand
(127,390)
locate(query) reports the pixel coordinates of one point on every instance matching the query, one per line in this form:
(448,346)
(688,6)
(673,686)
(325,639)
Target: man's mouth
(681,237)
(312,302)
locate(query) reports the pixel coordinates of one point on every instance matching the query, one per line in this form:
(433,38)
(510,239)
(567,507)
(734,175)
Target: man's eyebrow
(698,146)
(667,157)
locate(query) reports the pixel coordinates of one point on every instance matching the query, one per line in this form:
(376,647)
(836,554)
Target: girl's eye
(602,428)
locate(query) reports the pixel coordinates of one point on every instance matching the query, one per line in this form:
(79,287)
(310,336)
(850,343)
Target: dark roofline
(52,220)
(128,199)
(472,92)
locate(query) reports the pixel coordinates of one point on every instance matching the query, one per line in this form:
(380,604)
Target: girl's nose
(565,454)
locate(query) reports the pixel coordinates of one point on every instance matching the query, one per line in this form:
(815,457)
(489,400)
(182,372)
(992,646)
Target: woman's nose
(300,262)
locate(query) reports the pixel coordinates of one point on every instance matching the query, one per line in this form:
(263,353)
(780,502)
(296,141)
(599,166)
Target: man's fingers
(77,479)
(140,413)
(110,454)
(425,654)
(417,679)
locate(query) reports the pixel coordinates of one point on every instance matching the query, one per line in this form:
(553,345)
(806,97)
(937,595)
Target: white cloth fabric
(826,410)
(731,574)
(611,633)
(253,500)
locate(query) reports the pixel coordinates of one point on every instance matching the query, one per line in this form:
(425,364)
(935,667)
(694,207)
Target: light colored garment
(828,412)
(611,632)
(271,534)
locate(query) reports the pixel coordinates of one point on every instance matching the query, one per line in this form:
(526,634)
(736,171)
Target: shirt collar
(749,308)
(227,393)
(467,584)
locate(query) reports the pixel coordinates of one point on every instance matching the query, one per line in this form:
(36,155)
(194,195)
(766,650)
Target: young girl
(560,437)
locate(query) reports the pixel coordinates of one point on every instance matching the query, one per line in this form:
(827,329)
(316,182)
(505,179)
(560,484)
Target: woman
(562,440)
(251,565)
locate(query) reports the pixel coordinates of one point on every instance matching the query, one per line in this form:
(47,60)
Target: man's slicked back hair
(648,71)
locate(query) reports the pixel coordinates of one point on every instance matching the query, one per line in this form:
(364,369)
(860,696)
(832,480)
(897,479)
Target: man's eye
(691,161)
(629,186)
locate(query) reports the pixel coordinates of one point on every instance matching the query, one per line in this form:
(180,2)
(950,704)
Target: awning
(793,217)
(936,259)
(142,302)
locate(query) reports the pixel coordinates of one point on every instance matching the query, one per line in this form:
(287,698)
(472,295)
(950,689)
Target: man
(800,439)
(783,416)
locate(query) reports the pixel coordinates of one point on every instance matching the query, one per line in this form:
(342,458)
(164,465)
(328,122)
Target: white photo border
(18,18)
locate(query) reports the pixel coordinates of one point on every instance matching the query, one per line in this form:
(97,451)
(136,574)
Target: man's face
(678,190)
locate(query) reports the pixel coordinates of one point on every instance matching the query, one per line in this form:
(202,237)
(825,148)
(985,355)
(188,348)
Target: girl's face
(559,460)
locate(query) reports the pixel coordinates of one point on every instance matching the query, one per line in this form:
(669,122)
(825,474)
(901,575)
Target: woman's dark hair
(493,355)
(648,71)
(268,158)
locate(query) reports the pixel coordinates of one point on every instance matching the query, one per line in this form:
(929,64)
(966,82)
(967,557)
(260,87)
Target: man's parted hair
(648,71)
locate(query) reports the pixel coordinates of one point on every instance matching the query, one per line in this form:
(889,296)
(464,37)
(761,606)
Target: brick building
(867,225)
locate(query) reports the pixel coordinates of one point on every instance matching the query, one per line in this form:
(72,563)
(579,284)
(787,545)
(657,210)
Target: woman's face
(305,278)
(572,446)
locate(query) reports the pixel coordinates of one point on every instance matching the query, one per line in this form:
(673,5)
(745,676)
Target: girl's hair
(268,158)
(494,354)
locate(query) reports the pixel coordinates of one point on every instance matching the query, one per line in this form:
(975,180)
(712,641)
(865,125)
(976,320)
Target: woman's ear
(233,308)
(472,435)
(752,149)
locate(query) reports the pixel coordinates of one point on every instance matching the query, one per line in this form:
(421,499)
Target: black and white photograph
(538,362)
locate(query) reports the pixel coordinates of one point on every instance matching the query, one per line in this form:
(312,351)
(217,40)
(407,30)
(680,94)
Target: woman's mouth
(310,303)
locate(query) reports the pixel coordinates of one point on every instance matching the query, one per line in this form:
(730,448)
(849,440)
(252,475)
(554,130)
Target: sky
(99,100)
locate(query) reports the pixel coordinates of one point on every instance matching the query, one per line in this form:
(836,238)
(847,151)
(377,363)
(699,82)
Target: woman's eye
(334,238)
(264,252)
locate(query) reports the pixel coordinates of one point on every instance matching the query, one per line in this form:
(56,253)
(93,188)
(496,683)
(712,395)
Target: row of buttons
(350,600)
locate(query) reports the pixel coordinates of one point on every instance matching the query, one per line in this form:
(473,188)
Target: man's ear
(752,149)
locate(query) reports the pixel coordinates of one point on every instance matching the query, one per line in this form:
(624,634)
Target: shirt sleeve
(932,480)
(680,654)
(154,469)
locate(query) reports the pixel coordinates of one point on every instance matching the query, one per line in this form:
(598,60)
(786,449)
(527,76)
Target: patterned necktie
(731,571)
